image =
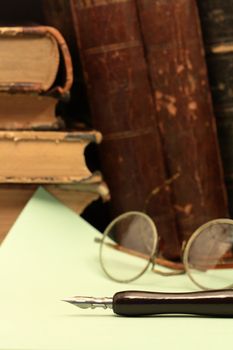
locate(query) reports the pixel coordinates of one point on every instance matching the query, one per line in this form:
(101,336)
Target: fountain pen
(218,303)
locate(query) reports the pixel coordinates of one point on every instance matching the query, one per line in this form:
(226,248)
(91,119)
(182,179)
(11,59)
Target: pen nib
(90,302)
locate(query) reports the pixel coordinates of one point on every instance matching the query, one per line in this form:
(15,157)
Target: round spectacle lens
(128,244)
(208,256)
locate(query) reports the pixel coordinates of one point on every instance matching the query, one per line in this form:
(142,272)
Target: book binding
(177,69)
(123,110)
(217,29)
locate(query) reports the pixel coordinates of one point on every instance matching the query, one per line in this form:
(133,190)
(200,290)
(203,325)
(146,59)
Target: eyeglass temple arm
(161,261)
(170,273)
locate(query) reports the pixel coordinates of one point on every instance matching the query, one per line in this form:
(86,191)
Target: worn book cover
(217,29)
(121,100)
(177,69)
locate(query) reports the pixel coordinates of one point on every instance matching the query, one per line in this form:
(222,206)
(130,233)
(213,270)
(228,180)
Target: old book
(44,157)
(30,58)
(35,71)
(177,70)
(217,28)
(13,198)
(27,111)
(120,96)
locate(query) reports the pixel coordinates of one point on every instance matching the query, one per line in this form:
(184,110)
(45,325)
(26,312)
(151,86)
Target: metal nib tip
(90,302)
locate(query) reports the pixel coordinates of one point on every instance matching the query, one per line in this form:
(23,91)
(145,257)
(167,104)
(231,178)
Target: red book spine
(177,69)
(123,110)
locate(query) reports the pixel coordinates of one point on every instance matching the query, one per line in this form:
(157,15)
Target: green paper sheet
(49,255)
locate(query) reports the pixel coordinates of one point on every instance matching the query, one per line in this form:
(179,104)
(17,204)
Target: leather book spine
(121,101)
(177,69)
(217,28)
(57,13)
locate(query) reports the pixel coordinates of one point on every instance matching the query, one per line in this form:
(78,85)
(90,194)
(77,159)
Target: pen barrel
(209,303)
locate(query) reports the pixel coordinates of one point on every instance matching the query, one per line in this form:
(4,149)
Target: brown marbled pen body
(206,303)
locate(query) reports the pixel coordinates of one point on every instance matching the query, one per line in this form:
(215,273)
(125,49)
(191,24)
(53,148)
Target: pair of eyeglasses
(129,245)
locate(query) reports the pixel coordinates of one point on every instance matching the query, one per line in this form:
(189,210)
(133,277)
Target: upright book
(217,28)
(122,105)
(177,70)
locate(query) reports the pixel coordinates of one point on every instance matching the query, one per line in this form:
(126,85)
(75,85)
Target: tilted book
(122,105)
(177,69)
(217,28)
(35,72)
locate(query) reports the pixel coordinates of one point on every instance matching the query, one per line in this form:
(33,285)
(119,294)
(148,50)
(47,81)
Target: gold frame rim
(192,238)
(108,229)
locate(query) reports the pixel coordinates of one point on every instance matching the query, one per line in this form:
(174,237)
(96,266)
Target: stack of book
(35,148)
